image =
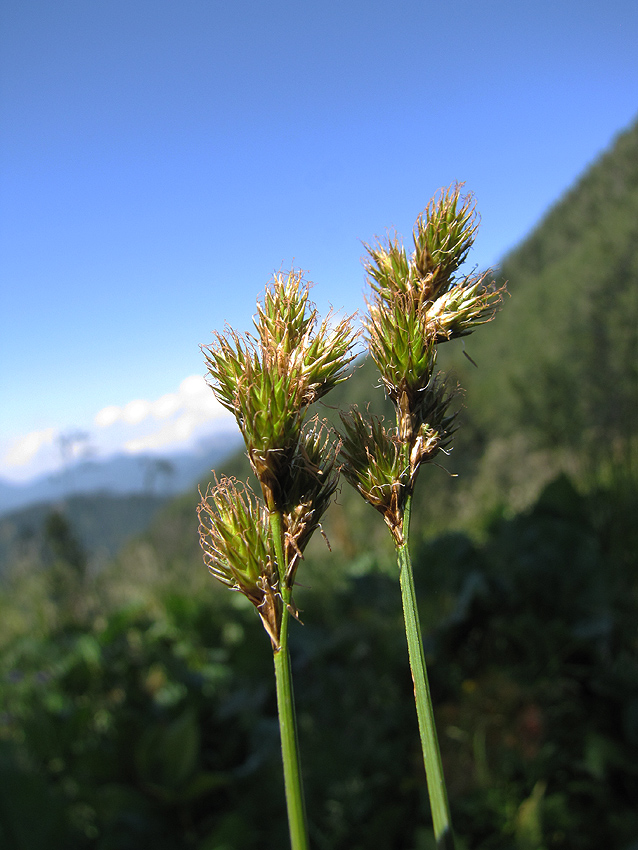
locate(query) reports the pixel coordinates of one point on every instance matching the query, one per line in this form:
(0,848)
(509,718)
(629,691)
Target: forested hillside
(102,523)
(558,370)
(138,704)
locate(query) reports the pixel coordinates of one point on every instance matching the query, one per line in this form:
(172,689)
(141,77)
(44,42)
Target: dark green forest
(137,701)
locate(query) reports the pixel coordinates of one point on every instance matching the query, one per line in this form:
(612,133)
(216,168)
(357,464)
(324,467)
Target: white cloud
(27,447)
(181,416)
(107,416)
(185,412)
(136,411)
(176,431)
(166,406)
(193,396)
(172,422)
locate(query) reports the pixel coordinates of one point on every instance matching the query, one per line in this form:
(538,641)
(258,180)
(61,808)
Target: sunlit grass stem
(295,802)
(425,713)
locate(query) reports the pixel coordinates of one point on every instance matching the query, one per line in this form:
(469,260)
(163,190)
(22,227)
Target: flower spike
(415,304)
(235,537)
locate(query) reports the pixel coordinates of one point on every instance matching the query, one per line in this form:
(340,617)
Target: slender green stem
(286,708)
(425,713)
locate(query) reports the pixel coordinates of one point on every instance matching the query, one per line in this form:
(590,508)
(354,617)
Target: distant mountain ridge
(150,475)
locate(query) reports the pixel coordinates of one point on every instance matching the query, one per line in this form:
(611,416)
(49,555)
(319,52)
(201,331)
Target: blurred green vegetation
(137,703)
(102,522)
(153,723)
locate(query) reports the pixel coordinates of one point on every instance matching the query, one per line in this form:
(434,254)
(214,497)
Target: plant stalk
(286,709)
(425,713)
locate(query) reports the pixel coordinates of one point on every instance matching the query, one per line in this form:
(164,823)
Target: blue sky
(159,160)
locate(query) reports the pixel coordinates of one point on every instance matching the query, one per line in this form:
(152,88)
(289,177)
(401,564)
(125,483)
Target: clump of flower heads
(268,381)
(416,303)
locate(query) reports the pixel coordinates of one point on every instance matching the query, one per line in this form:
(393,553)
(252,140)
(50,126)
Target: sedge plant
(253,545)
(417,302)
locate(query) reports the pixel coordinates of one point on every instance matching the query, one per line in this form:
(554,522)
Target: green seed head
(372,464)
(470,303)
(443,235)
(432,424)
(400,344)
(235,537)
(417,302)
(311,484)
(268,381)
(316,357)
